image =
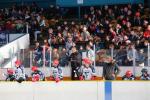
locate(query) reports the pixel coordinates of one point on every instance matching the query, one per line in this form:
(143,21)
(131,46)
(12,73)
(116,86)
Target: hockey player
(57,73)
(87,71)
(37,75)
(10,76)
(19,72)
(145,75)
(128,76)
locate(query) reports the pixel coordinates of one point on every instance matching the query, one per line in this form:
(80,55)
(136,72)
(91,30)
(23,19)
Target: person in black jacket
(75,59)
(110,70)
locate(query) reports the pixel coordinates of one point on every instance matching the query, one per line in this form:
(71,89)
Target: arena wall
(75,90)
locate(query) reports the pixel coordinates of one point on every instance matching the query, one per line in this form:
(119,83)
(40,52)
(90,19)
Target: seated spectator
(36,74)
(110,69)
(147,33)
(128,76)
(145,75)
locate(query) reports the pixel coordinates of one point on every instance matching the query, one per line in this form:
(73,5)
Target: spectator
(141,58)
(130,54)
(110,70)
(55,54)
(90,53)
(69,45)
(75,59)
(38,56)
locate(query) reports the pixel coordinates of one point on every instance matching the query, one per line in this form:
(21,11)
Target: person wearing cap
(110,69)
(128,76)
(19,71)
(87,72)
(145,75)
(57,73)
(36,74)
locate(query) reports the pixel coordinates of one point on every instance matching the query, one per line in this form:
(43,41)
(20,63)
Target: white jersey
(87,73)
(57,72)
(19,72)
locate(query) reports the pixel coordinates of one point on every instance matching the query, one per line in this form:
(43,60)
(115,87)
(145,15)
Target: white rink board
(49,90)
(74,90)
(139,90)
(66,91)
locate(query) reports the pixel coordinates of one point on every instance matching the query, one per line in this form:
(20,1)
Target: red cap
(128,73)
(87,61)
(34,68)
(18,62)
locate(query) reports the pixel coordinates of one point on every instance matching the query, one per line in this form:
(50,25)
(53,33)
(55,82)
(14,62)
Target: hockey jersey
(57,72)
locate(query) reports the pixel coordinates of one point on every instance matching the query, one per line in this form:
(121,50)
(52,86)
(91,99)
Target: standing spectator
(69,45)
(121,56)
(55,54)
(36,28)
(141,58)
(90,53)
(130,54)
(38,54)
(63,57)
(110,70)
(75,59)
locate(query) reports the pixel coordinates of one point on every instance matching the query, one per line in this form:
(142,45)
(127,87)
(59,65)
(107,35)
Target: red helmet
(55,62)
(10,71)
(34,68)
(128,73)
(87,61)
(18,62)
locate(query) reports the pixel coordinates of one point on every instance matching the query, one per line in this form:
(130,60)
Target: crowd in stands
(124,28)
